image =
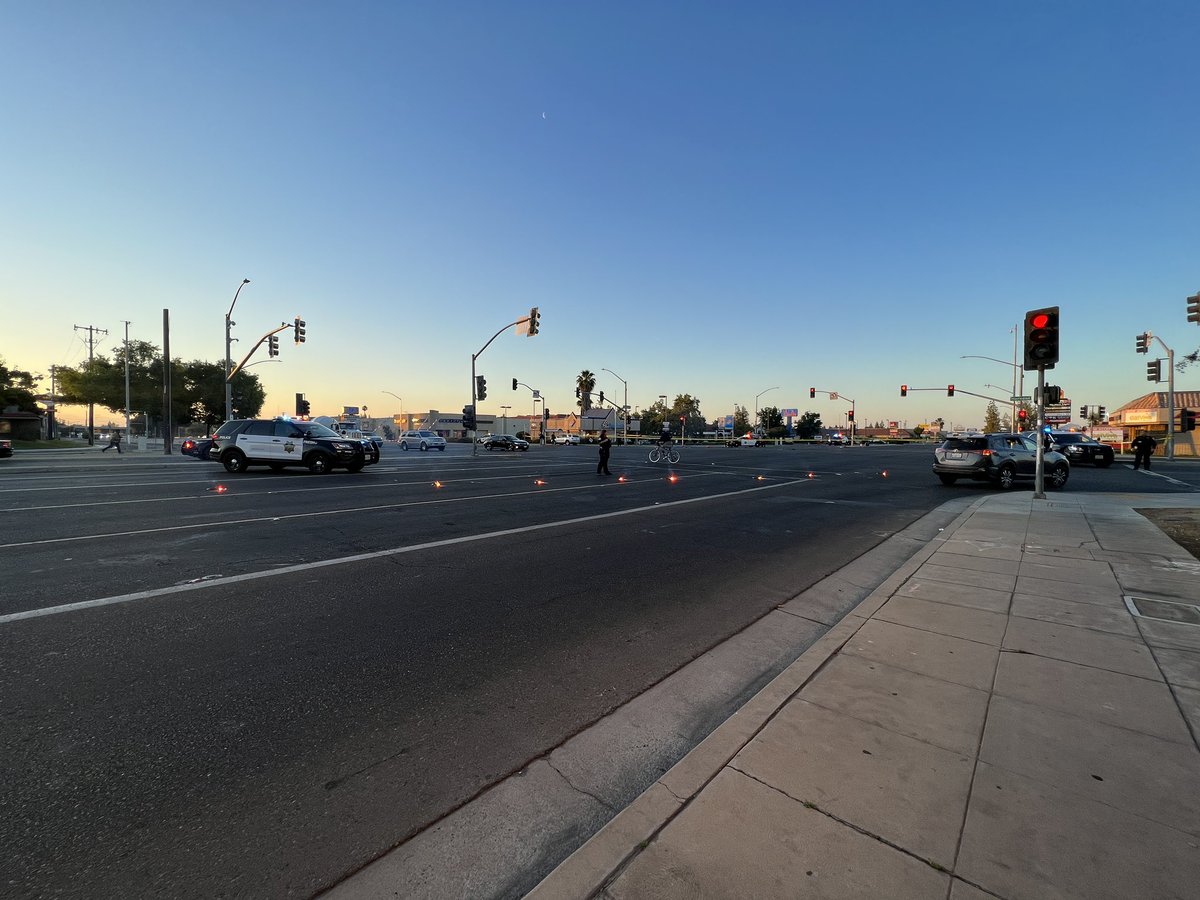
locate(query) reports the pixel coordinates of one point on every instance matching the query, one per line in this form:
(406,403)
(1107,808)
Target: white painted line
(224,523)
(377,554)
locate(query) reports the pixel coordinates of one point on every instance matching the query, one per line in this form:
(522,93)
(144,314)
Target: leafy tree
(918,430)
(741,419)
(991,417)
(687,407)
(197,387)
(16,389)
(585,381)
(770,419)
(808,425)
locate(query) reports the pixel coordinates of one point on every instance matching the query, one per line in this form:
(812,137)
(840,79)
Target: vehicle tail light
(985,452)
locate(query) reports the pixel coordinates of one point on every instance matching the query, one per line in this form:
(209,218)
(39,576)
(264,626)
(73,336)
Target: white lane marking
(377,554)
(222,523)
(229,496)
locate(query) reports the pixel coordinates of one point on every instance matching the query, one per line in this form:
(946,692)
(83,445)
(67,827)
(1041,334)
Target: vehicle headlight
(341,445)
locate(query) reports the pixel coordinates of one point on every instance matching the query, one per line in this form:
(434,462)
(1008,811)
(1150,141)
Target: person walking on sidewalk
(605,449)
(113,441)
(1143,447)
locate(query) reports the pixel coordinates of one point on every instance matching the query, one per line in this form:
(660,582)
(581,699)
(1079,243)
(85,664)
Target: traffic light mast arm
(959,390)
(262,340)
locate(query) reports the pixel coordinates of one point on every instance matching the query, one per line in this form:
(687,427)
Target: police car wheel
(319,463)
(234,461)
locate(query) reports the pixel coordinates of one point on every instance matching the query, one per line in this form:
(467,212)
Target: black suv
(1079,448)
(1000,458)
(277,443)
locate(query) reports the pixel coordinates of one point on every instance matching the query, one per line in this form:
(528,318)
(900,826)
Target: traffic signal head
(1194,308)
(1022,416)
(904,390)
(1102,412)
(1041,338)
(299,400)
(514,384)
(469,418)
(299,326)
(602,398)
(302,406)
(812,393)
(535,321)
(949,390)
(850,416)
(1143,342)
(1083,412)
(1154,370)
(273,345)
(480,387)
(1187,420)
(1053,393)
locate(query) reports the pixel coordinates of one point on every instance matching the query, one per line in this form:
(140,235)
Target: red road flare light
(539,482)
(672,478)
(437,484)
(621,478)
(760,478)
(221,489)
(810,475)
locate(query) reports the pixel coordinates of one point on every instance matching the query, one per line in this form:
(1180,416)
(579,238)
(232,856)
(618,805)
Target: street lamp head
(245,281)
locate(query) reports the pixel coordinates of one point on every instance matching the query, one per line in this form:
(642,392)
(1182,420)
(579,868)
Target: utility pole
(228,343)
(166,382)
(127,441)
(92,331)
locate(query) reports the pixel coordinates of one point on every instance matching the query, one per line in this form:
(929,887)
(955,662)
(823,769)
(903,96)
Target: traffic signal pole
(529,321)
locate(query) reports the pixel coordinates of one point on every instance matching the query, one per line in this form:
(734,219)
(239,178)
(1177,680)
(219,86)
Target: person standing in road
(1143,447)
(113,441)
(605,449)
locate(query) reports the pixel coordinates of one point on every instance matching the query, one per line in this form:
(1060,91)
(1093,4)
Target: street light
(625,407)
(505,414)
(1017,372)
(401,399)
(228,343)
(756,396)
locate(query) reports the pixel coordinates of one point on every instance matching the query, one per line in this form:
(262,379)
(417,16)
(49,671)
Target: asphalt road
(253,685)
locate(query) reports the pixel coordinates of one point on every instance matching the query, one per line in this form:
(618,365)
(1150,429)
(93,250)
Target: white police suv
(278,443)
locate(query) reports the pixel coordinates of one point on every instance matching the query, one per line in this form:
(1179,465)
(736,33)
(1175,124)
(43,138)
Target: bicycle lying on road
(664,453)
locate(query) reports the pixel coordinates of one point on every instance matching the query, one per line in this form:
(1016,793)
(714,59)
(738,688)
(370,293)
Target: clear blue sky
(705,198)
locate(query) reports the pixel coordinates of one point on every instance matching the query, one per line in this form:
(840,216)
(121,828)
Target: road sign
(789,412)
(729,421)
(1021,399)
(833,395)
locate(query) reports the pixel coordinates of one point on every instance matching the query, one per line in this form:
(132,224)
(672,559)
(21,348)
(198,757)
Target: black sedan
(505,442)
(197,447)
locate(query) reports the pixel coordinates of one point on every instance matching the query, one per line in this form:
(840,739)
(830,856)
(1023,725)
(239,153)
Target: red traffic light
(904,390)
(1041,320)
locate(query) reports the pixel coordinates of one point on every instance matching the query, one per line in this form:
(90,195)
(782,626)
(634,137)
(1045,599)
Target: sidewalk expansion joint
(576,788)
(808,804)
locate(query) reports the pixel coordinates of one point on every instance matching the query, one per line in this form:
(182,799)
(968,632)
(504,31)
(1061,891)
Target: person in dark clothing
(605,449)
(114,441)
(1143,448)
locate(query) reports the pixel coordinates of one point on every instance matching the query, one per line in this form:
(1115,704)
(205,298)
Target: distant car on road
(505,442)
(748,440)
(566,439)
(999,458)
(5,447)
(422,440)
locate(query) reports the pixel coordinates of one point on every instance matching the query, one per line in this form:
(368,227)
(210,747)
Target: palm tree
(585,382)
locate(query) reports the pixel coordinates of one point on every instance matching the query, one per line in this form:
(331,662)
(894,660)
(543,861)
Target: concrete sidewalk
(998,719)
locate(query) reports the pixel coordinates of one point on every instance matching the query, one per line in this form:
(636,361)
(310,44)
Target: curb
(586,872)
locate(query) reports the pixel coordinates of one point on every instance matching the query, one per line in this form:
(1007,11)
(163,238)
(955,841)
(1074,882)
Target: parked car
(278,443)
(747,441)
(505,442)
(5,447)
(566,439)
(422,440)
(1079,448)
(999,458)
